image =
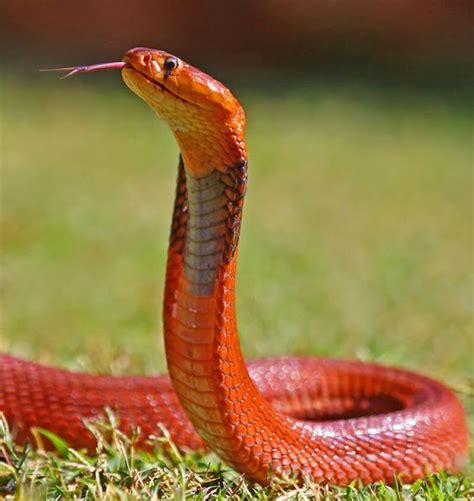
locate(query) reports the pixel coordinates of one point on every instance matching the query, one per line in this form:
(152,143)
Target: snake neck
(201,341)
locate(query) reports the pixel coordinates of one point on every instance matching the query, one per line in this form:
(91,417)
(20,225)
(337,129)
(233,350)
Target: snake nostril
(146,59)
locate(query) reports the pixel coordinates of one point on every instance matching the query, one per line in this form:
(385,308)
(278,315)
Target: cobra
(337,421)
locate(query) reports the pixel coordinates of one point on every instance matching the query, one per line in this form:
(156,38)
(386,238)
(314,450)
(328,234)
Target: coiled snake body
(334,420)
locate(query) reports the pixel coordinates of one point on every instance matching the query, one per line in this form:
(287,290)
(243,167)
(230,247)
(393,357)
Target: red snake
(336,421)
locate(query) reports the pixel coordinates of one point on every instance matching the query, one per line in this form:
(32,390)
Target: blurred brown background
(412,35)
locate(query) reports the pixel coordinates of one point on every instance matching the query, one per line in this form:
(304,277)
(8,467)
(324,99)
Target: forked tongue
(74,70)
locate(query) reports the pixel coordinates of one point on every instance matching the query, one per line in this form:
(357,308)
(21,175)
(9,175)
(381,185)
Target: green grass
(119,471)
(357,242)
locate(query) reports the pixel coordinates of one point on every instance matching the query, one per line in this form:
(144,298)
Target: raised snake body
(336,421)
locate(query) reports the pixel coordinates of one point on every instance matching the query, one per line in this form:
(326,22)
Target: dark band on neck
(206,223)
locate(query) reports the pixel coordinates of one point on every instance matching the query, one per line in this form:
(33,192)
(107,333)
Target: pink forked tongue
(73,70)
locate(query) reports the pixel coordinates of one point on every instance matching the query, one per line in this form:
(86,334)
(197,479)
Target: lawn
(357,242)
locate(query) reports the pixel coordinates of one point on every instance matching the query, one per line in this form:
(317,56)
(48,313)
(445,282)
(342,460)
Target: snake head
(203,114)
(206,119)
(164,80)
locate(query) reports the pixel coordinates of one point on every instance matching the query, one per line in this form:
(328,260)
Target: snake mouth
(125,64)
(129,66)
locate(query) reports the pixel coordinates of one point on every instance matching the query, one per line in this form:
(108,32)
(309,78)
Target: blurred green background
(357,236)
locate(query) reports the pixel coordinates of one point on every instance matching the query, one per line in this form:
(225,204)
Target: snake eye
(171,63)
